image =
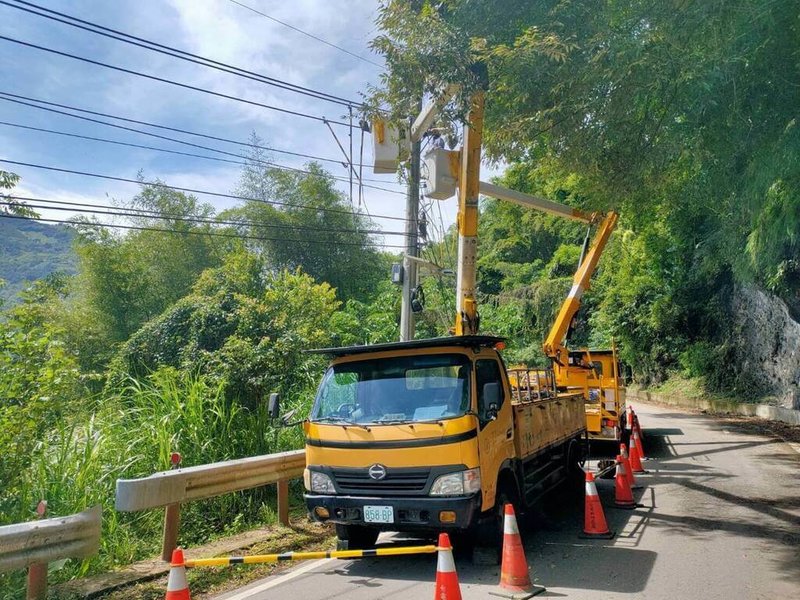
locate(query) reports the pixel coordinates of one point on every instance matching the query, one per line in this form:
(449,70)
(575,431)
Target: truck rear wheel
(356,537)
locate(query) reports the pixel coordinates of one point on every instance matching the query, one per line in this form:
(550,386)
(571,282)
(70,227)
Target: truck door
(496,436)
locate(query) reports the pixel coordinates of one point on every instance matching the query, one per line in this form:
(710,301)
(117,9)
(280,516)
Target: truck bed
(540,424)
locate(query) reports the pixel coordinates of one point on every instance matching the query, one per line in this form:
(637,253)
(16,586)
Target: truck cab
(427,436)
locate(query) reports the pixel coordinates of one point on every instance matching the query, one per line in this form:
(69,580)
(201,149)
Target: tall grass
(132,433)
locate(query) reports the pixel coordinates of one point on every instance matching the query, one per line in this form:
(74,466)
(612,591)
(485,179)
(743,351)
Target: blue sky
(217,29)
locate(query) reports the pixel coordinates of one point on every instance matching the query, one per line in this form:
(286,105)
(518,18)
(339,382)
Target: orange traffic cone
(638,431)
(177,587)
(447,587)
(515,581)
(634,456)
(628,470)
(629,417)
(623,496)
(594,522)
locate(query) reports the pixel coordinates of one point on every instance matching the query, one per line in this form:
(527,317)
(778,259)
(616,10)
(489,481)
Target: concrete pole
(407,329)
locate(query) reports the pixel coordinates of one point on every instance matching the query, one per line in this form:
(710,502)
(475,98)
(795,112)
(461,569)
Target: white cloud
(221,30)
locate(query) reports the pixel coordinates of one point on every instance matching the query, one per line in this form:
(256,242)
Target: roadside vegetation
(681,116)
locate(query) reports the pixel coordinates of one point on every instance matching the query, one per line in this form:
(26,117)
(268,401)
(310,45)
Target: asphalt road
(721,519)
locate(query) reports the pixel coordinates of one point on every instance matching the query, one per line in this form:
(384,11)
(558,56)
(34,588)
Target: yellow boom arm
(554,344)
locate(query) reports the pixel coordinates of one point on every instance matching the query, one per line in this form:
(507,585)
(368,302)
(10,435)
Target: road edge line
(270,583)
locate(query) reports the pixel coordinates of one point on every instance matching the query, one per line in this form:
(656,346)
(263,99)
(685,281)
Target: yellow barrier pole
(289,556)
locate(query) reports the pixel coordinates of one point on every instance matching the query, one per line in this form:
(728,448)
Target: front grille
(398,481)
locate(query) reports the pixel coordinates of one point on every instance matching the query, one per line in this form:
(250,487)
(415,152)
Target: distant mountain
(30,250)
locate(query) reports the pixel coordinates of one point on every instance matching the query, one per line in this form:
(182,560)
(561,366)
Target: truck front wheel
(490,532)
(356,537)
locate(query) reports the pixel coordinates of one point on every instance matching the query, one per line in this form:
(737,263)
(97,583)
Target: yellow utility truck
(432,435)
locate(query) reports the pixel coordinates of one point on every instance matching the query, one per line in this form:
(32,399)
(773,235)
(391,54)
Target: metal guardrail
(172,488)
(36,543)
(48,540)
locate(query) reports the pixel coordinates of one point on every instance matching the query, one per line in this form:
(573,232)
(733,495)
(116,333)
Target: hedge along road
(721,520)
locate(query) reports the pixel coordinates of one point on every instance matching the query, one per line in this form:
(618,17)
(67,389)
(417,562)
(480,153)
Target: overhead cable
(174,52)
(118,211)
(195,232)
(311,35)
(190,154)
(11,98)
(196,191)
(170,81)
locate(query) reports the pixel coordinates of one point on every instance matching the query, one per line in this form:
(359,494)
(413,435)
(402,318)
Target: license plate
(378,514)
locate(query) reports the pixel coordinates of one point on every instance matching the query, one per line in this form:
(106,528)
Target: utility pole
(412,244)
(418,128)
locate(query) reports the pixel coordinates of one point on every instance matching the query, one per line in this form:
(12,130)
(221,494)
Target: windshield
(394,390)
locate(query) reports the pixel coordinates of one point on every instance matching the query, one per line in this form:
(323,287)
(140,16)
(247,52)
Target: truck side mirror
(491,400)
(274,407)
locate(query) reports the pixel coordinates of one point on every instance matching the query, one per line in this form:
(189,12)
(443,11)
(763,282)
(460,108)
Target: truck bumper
(410,513)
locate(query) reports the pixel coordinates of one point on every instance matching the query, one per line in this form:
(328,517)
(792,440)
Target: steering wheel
(345,409)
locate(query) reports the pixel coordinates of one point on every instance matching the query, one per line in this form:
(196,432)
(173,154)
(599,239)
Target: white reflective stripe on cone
(591,489)
(177,579)
(621,469)
(445,563)
(510,525)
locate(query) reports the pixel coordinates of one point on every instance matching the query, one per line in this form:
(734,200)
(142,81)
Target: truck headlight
(319,483)
(457,484)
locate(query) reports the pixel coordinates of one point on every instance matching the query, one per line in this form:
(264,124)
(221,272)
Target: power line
(194,232)
(194,191)
(311,35)
(170,81)
(176,140)
(117,211)
(159,126)
(174,52)
(168,151)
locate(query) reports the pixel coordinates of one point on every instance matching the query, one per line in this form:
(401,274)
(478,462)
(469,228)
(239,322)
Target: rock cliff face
(768,343)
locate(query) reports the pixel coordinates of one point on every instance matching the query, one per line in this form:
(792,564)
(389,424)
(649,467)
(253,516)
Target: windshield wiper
(344,422)
(411,422)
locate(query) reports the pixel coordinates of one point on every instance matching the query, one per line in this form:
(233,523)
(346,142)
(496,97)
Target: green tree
(244,327)
(126,280)
(313,228)
(677,114)
(9,205)
(39,382)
